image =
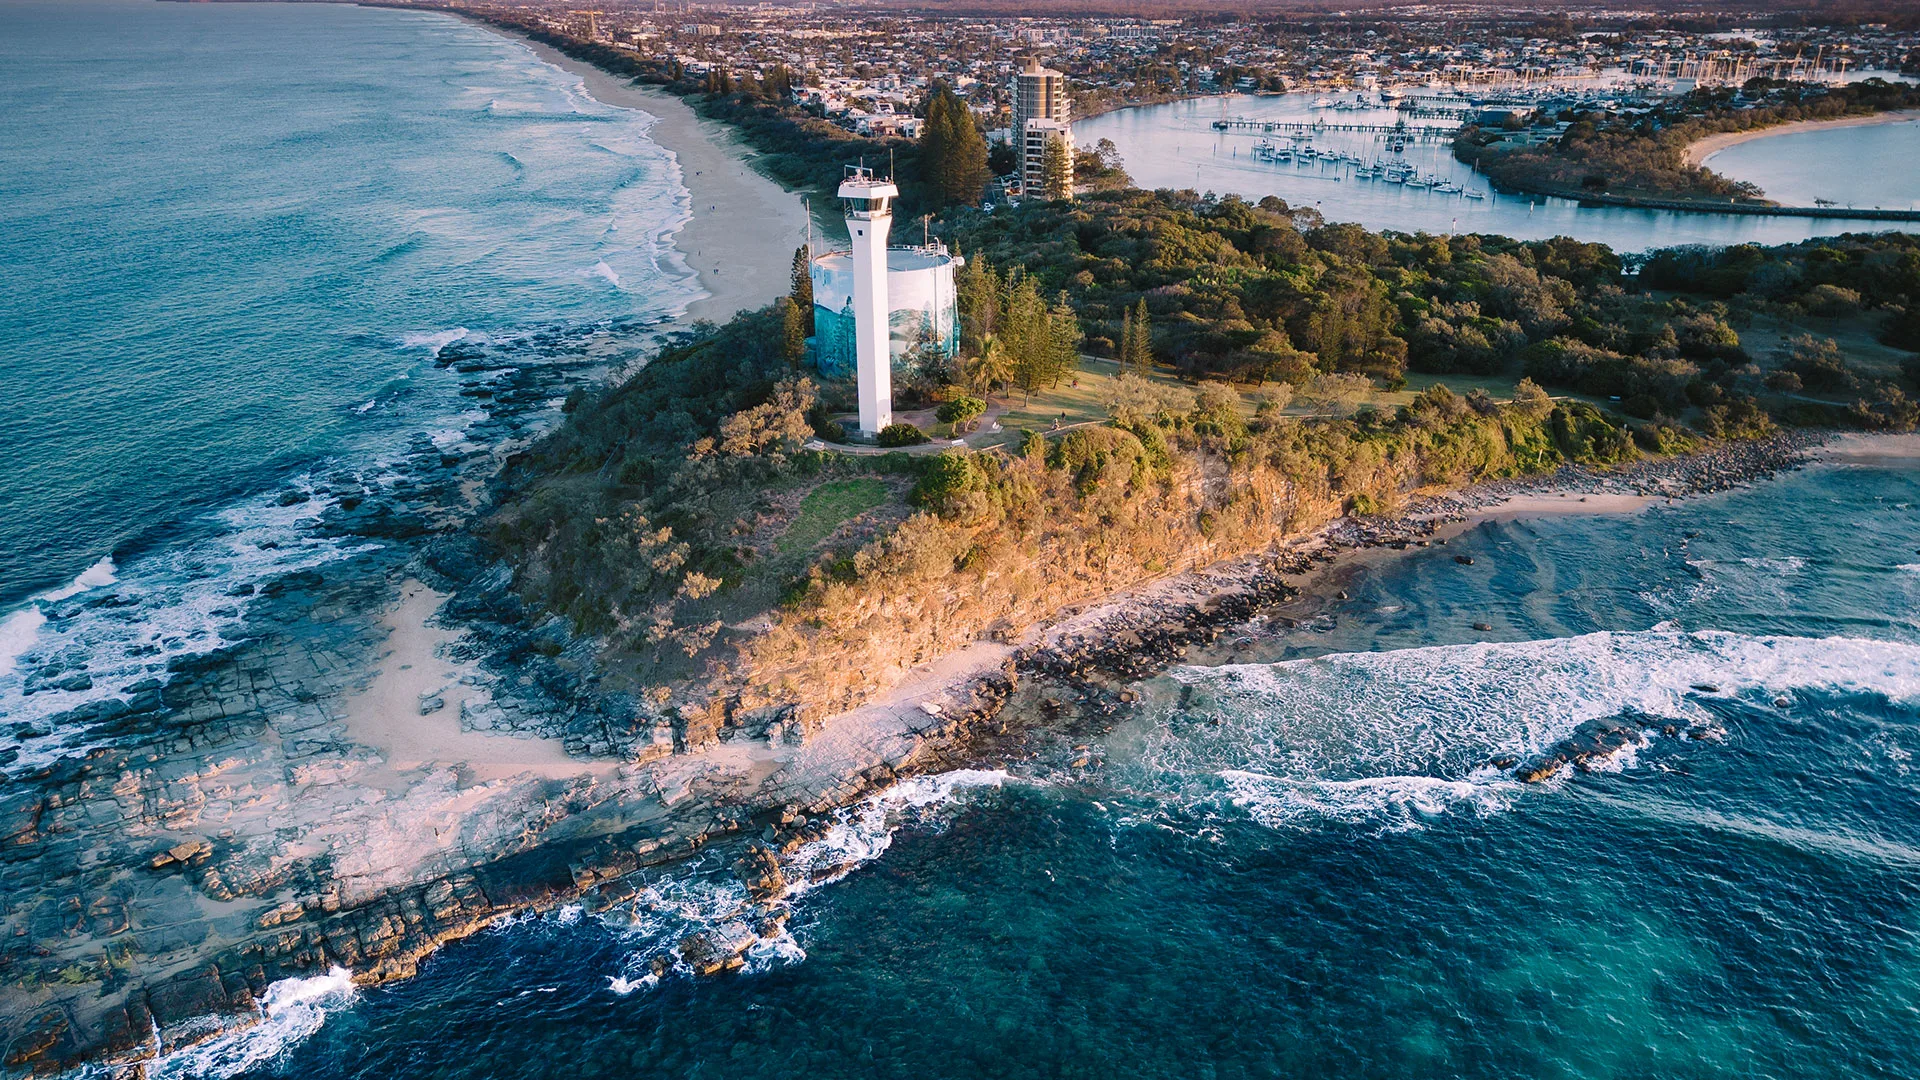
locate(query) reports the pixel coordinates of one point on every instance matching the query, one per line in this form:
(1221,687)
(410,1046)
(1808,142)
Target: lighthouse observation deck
(865,195)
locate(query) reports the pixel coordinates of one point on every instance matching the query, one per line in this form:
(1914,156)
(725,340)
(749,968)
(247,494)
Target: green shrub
(902,434)
(949,478)
(960,410)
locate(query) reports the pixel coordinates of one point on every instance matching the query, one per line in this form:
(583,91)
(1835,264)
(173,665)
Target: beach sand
(1698,152)
(744,227)
(1893,451)
(386,715)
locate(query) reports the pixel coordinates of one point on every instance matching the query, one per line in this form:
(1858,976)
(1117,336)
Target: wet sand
(386,715)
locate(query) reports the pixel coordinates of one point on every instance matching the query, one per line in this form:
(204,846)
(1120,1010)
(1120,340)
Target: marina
(1355,165)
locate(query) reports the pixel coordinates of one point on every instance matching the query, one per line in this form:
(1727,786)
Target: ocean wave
(707,898)
(434,341)
(20,630)
(292,1011)
(114,628)
(93,577)
(1393,737)
(605,272)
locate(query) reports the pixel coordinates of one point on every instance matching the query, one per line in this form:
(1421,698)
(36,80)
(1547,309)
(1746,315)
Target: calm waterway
(1176,146)
(1876,165)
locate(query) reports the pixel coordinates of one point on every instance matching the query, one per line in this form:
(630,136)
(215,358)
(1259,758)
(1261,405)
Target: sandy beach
(414,670)
(743,227)
(1697,153)
(739,237)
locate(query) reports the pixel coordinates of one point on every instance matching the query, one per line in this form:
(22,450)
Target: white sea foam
(1909,567)
(93,577)
(434,341)
(1791,564)
(19,632)
(292,1011)
(1393,802)
(864,831)
(707,897)
(1390,737)
(174,603)
(602,270)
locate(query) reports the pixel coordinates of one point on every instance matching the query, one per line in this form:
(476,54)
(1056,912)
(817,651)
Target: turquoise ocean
(236,234)
(234,237)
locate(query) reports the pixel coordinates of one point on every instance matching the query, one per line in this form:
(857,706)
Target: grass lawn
(825,507)
(1082,403)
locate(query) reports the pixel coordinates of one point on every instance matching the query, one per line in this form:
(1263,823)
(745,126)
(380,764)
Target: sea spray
(290,1013)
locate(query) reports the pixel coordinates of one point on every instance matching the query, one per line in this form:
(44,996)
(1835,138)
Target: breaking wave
(707,898)
(1394,738)
(291,1012)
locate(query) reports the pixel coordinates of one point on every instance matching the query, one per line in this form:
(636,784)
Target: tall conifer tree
(953,153)
(803,286)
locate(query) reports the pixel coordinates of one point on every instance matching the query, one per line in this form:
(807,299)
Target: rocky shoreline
(231,834)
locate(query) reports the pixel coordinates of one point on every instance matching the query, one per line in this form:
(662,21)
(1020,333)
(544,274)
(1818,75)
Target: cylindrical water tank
(923,315)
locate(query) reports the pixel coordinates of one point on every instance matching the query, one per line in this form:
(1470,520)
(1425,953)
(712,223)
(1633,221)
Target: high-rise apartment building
(1039,93)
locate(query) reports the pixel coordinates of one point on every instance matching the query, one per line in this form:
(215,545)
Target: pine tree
(1063,340)
(953,153)
(1124,353)
(978,295)
(1024,329)
(793,333)
(1056,170)
(803,287)
(1139,357)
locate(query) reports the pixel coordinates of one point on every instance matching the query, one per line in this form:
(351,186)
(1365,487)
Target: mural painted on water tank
(921,307)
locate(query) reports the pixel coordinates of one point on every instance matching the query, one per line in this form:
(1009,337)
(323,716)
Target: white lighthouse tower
(869,203)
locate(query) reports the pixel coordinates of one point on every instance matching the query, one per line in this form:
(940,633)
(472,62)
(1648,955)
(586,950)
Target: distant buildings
(1041,112)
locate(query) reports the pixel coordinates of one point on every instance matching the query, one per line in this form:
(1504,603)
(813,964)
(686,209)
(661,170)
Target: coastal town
(868,70)
(962,540)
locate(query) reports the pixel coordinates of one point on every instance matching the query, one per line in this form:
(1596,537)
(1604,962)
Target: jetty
(1423,133)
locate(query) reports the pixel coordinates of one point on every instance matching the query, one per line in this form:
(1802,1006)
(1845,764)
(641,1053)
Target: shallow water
(1175,146)
(232,239)
(1871,165)
(1302,867)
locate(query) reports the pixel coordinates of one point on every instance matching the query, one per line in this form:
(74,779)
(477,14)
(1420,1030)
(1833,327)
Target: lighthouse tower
(869,203)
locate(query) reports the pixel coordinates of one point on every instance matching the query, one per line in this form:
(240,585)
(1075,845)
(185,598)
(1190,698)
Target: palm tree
(993,365)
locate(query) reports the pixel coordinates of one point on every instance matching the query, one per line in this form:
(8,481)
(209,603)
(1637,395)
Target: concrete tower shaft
(869,205)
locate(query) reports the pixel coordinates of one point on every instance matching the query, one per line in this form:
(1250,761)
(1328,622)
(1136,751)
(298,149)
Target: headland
(400,758)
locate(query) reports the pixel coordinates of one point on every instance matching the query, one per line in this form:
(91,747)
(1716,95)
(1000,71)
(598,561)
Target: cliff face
(996,563)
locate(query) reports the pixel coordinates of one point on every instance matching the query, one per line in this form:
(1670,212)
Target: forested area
(663,511)
(1256,293)
(680,515)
